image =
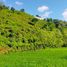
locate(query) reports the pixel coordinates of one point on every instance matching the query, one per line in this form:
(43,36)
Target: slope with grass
(22,31)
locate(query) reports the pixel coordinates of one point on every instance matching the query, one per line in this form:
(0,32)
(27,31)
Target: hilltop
(20,30)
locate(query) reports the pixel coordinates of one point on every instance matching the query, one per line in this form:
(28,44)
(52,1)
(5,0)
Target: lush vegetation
(22,31)
(56,57)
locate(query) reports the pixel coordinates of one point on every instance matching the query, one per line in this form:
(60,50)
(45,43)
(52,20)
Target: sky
(56,9)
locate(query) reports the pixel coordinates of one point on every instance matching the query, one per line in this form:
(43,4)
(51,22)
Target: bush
(22,10)
(13,9)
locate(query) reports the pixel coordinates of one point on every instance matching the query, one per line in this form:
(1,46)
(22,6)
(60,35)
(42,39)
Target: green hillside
(23,31)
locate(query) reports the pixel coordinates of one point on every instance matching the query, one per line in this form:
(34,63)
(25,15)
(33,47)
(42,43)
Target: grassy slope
(17,22)
(19,31)
(56,57)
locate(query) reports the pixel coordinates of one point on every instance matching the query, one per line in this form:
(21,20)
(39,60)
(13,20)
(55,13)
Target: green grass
(56,57)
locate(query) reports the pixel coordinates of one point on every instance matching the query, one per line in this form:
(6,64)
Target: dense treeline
(20,30)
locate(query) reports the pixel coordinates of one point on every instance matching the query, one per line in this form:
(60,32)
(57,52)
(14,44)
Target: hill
(19,30)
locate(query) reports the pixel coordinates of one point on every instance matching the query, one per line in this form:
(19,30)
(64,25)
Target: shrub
(22,10)
(13,9)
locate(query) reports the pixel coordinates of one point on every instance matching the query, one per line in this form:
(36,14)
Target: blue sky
(45,8)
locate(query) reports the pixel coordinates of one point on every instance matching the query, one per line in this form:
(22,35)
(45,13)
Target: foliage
(21,30)
(13,9)
(2,6)
(22,10)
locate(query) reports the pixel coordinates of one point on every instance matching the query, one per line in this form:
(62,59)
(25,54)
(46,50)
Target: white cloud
(18,3)
(43,8)
(46,14)
(64,14)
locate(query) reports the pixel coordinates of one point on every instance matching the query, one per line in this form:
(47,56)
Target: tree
(13,9)
(56,22)
(5,7)
(49,19)
(2,6)
(38,16)
(22,10)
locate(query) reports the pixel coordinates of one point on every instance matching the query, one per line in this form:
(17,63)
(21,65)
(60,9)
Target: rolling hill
(20,30)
